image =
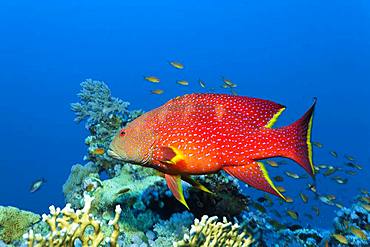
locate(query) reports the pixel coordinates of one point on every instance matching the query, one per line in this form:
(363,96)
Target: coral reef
(266,231)
(97,105)
(354,223)
(14,222)
(150,215)
(74,187)
(69,227)
(227,194)
(172,230)
(104,115)
(209,232)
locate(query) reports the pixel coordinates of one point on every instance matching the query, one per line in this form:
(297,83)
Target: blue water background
(286,51)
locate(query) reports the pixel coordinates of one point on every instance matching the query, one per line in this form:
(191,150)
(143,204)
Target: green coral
(124,188)
(73,187)
(14,222)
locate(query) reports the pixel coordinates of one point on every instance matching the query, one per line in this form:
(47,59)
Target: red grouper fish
(205,133)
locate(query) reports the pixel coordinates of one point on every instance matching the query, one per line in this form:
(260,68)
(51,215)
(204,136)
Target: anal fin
(254,174)
(174,184)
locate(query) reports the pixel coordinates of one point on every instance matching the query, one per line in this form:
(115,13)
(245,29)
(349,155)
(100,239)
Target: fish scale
(205,133)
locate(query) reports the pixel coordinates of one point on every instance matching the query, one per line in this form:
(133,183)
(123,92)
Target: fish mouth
(114,155)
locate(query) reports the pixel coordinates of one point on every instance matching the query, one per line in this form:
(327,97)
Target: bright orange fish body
(205,133)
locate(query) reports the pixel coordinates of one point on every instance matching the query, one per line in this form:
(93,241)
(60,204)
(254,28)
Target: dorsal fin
(245,111)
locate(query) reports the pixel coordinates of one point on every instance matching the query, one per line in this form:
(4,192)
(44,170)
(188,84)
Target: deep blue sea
(285,51)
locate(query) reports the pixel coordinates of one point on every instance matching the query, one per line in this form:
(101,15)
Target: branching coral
(97,104)
(14,222)
(208,232)
(104,115)
(68,226)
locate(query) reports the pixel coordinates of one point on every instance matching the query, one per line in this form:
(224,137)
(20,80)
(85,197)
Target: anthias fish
(205,133)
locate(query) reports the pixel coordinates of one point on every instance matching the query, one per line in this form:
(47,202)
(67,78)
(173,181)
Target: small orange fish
(205,133)
(288,199)
(281,189)
(334,154)
(98,151)
(182,82)
(292,214)
(303,197)
(340,238)
(317,144)
(177,65)
(157,91)
(272,163)
(366,206)
(228,83)
(152,79)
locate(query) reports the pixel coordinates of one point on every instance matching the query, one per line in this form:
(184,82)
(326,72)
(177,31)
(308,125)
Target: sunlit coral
(209,232)
(67,226)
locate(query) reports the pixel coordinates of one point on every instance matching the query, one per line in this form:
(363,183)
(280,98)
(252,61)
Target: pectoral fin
(174,184)
(255,174)
(171,156)
(196,184)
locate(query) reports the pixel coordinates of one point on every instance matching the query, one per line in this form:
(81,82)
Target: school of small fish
(226,83)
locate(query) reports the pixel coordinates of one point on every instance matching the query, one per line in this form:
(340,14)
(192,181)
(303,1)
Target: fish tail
(297,137)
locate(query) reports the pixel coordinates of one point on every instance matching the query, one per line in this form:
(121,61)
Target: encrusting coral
(67,226)
(14,222)
(208,232)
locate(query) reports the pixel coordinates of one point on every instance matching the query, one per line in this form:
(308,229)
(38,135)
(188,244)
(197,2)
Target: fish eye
(122,133)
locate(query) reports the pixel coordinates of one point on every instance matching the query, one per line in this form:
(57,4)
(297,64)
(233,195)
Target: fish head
(133,143)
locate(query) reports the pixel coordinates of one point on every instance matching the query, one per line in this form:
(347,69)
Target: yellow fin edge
(268,179)
(309,145)
(181,193)
(274,118)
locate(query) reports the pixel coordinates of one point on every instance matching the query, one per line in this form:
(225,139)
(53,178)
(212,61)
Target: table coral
(67,226)
(14,222)
(208,232)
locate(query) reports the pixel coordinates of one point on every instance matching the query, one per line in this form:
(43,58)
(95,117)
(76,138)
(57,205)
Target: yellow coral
(67,226)
(209,233)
